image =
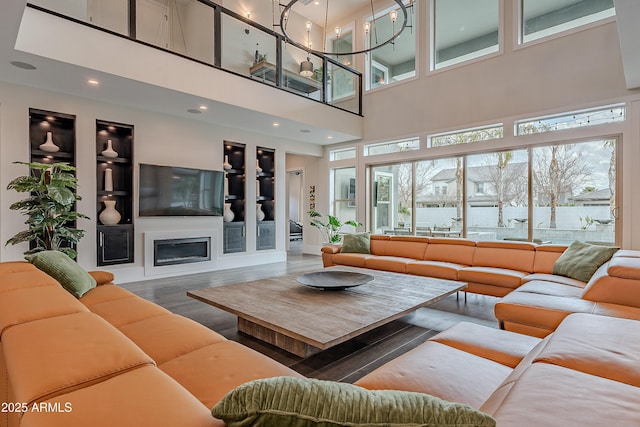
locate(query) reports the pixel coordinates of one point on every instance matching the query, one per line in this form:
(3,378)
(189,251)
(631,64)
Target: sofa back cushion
(406,247)
(49,357)
(546,256)
(378,244)
(508,255)
(457,251)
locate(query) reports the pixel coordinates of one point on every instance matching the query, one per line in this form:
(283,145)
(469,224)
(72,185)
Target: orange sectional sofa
(586,373)
(534,301)
(132,362)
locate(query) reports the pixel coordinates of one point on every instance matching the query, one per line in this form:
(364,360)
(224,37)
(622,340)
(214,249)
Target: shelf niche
(63,132)
(115,242)
(265,198)
(234,231)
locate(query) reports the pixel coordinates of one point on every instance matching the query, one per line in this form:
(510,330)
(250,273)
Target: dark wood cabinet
(114,182)
(115,244)
(265,198)
(234,236)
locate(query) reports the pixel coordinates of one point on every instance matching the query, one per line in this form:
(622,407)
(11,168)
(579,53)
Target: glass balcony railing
(213,35)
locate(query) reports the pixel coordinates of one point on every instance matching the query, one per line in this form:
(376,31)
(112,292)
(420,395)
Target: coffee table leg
(282,341)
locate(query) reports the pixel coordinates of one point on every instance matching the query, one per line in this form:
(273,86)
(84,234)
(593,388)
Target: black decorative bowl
(334,280)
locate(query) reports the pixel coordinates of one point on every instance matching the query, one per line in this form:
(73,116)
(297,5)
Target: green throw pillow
(581,260)
(359,243)
(65,270)
(301,402)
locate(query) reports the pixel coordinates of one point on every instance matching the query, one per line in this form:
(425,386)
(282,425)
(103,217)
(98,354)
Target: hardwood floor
(345,362)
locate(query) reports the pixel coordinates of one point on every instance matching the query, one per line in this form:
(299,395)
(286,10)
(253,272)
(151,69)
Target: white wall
(159,139)
(579,70)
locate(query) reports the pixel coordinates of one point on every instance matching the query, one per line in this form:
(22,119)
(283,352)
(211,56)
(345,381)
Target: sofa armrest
(102,277)
(331,249)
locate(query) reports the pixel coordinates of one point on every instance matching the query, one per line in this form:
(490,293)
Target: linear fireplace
(181,251)
(172,252)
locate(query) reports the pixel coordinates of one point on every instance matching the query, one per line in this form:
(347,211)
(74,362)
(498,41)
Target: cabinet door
(266,238)
(115,245)
(234,240)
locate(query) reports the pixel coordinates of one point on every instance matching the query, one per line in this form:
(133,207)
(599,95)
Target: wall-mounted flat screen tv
(177,191)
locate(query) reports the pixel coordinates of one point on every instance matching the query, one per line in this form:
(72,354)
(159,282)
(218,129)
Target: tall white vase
(226,184)
(228,213)
(258,168)
(48,145)
(259,212)
(108,180)
(226,165)
(110,152)
(109,216)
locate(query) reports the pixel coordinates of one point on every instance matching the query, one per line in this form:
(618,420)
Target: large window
(541,18)
(574,192)
(576,119)
(392,147)
(344,193)
(463,30)
(497,189)
(549,194)
(395,61)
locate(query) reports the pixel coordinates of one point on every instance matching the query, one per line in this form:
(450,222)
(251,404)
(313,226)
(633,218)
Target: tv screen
(176,191)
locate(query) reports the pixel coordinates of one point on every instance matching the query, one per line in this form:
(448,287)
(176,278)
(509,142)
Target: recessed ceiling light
(93,82)
(203,107)
(305,131)
(23,65)
(276,124)
(193,111)
(329,137)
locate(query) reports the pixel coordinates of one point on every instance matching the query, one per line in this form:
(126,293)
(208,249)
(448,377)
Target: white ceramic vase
(226,185)
(110,152)
(48,145)
(258,168)
(259,212)
(226,165)
(108,180)
(109,216)
(228,213)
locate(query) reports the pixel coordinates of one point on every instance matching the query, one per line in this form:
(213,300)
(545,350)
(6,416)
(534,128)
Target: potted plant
(331,228)
(49,208)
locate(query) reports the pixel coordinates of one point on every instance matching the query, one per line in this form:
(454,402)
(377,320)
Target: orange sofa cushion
(546,256)
(49,357)
(124,311)
(508,255)
(143,397)
(441,270)
(492,276)
(211,372)
(169,336)
(457,251)
(446,377)
(29,304)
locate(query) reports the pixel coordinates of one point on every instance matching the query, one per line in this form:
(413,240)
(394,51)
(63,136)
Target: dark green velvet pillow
(302,402)
(580,260)
(66,271)
(359,243)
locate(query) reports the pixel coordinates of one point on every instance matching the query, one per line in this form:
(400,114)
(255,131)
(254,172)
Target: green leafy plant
(330,228)
(49,207)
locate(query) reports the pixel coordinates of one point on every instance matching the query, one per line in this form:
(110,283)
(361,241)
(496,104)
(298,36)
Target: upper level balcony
(202,49)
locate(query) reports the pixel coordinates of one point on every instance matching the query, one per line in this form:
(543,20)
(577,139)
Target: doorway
(295,180)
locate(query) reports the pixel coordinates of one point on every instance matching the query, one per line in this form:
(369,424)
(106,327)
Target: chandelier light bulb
(393,15)
(367,27)
(308,25)
(338,31)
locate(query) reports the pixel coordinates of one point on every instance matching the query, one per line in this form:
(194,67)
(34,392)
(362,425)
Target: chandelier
(370,30)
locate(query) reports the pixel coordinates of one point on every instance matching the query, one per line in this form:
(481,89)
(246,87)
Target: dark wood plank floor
(345,362)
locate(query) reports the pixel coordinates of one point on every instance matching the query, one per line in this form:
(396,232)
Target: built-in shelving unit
(58,131)
(115,158)
(234,229)
(265,199)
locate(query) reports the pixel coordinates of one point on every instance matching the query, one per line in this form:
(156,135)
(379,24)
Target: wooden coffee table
(304,320)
